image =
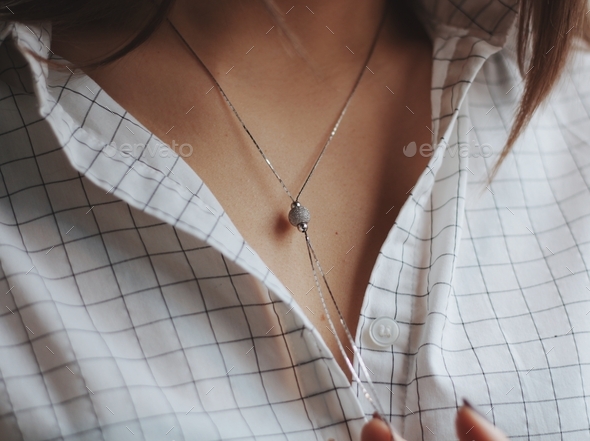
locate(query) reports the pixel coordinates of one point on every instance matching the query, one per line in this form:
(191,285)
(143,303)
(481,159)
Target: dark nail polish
(466,403)
(376,415)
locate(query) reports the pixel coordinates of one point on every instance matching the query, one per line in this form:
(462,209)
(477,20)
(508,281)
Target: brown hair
(547,33)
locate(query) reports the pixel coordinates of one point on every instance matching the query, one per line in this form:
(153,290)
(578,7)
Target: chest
(353,196)
(353,199)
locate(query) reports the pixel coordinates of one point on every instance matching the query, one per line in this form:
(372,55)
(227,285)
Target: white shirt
(134,309)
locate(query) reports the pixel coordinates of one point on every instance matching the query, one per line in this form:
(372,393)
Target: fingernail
(466,403)
(376,415)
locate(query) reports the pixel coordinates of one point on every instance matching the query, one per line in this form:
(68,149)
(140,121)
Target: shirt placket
(412,281)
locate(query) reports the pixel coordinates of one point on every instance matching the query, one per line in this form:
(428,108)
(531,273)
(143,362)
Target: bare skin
(290,104)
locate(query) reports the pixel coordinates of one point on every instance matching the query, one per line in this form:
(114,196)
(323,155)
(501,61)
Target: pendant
(299,216)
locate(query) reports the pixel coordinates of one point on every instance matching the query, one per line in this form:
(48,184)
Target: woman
(163,279)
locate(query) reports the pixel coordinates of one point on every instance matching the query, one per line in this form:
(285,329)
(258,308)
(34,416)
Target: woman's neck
(317,32)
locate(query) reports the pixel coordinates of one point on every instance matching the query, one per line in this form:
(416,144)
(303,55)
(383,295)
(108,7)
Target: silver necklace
(299,217)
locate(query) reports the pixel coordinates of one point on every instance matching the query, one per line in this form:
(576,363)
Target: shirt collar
(487,20)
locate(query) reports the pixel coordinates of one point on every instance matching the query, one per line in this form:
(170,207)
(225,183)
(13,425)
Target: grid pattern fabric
(132,308)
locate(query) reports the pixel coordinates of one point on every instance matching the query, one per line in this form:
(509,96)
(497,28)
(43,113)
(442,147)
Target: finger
(378,430)
(472,426)
(375,430)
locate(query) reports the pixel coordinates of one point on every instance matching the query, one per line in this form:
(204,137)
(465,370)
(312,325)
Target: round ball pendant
(299,216)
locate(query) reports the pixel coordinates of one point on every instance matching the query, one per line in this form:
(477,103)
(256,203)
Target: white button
(384,331)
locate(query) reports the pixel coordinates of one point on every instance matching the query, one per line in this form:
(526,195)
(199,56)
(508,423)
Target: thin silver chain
(311,252)
(332,133)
